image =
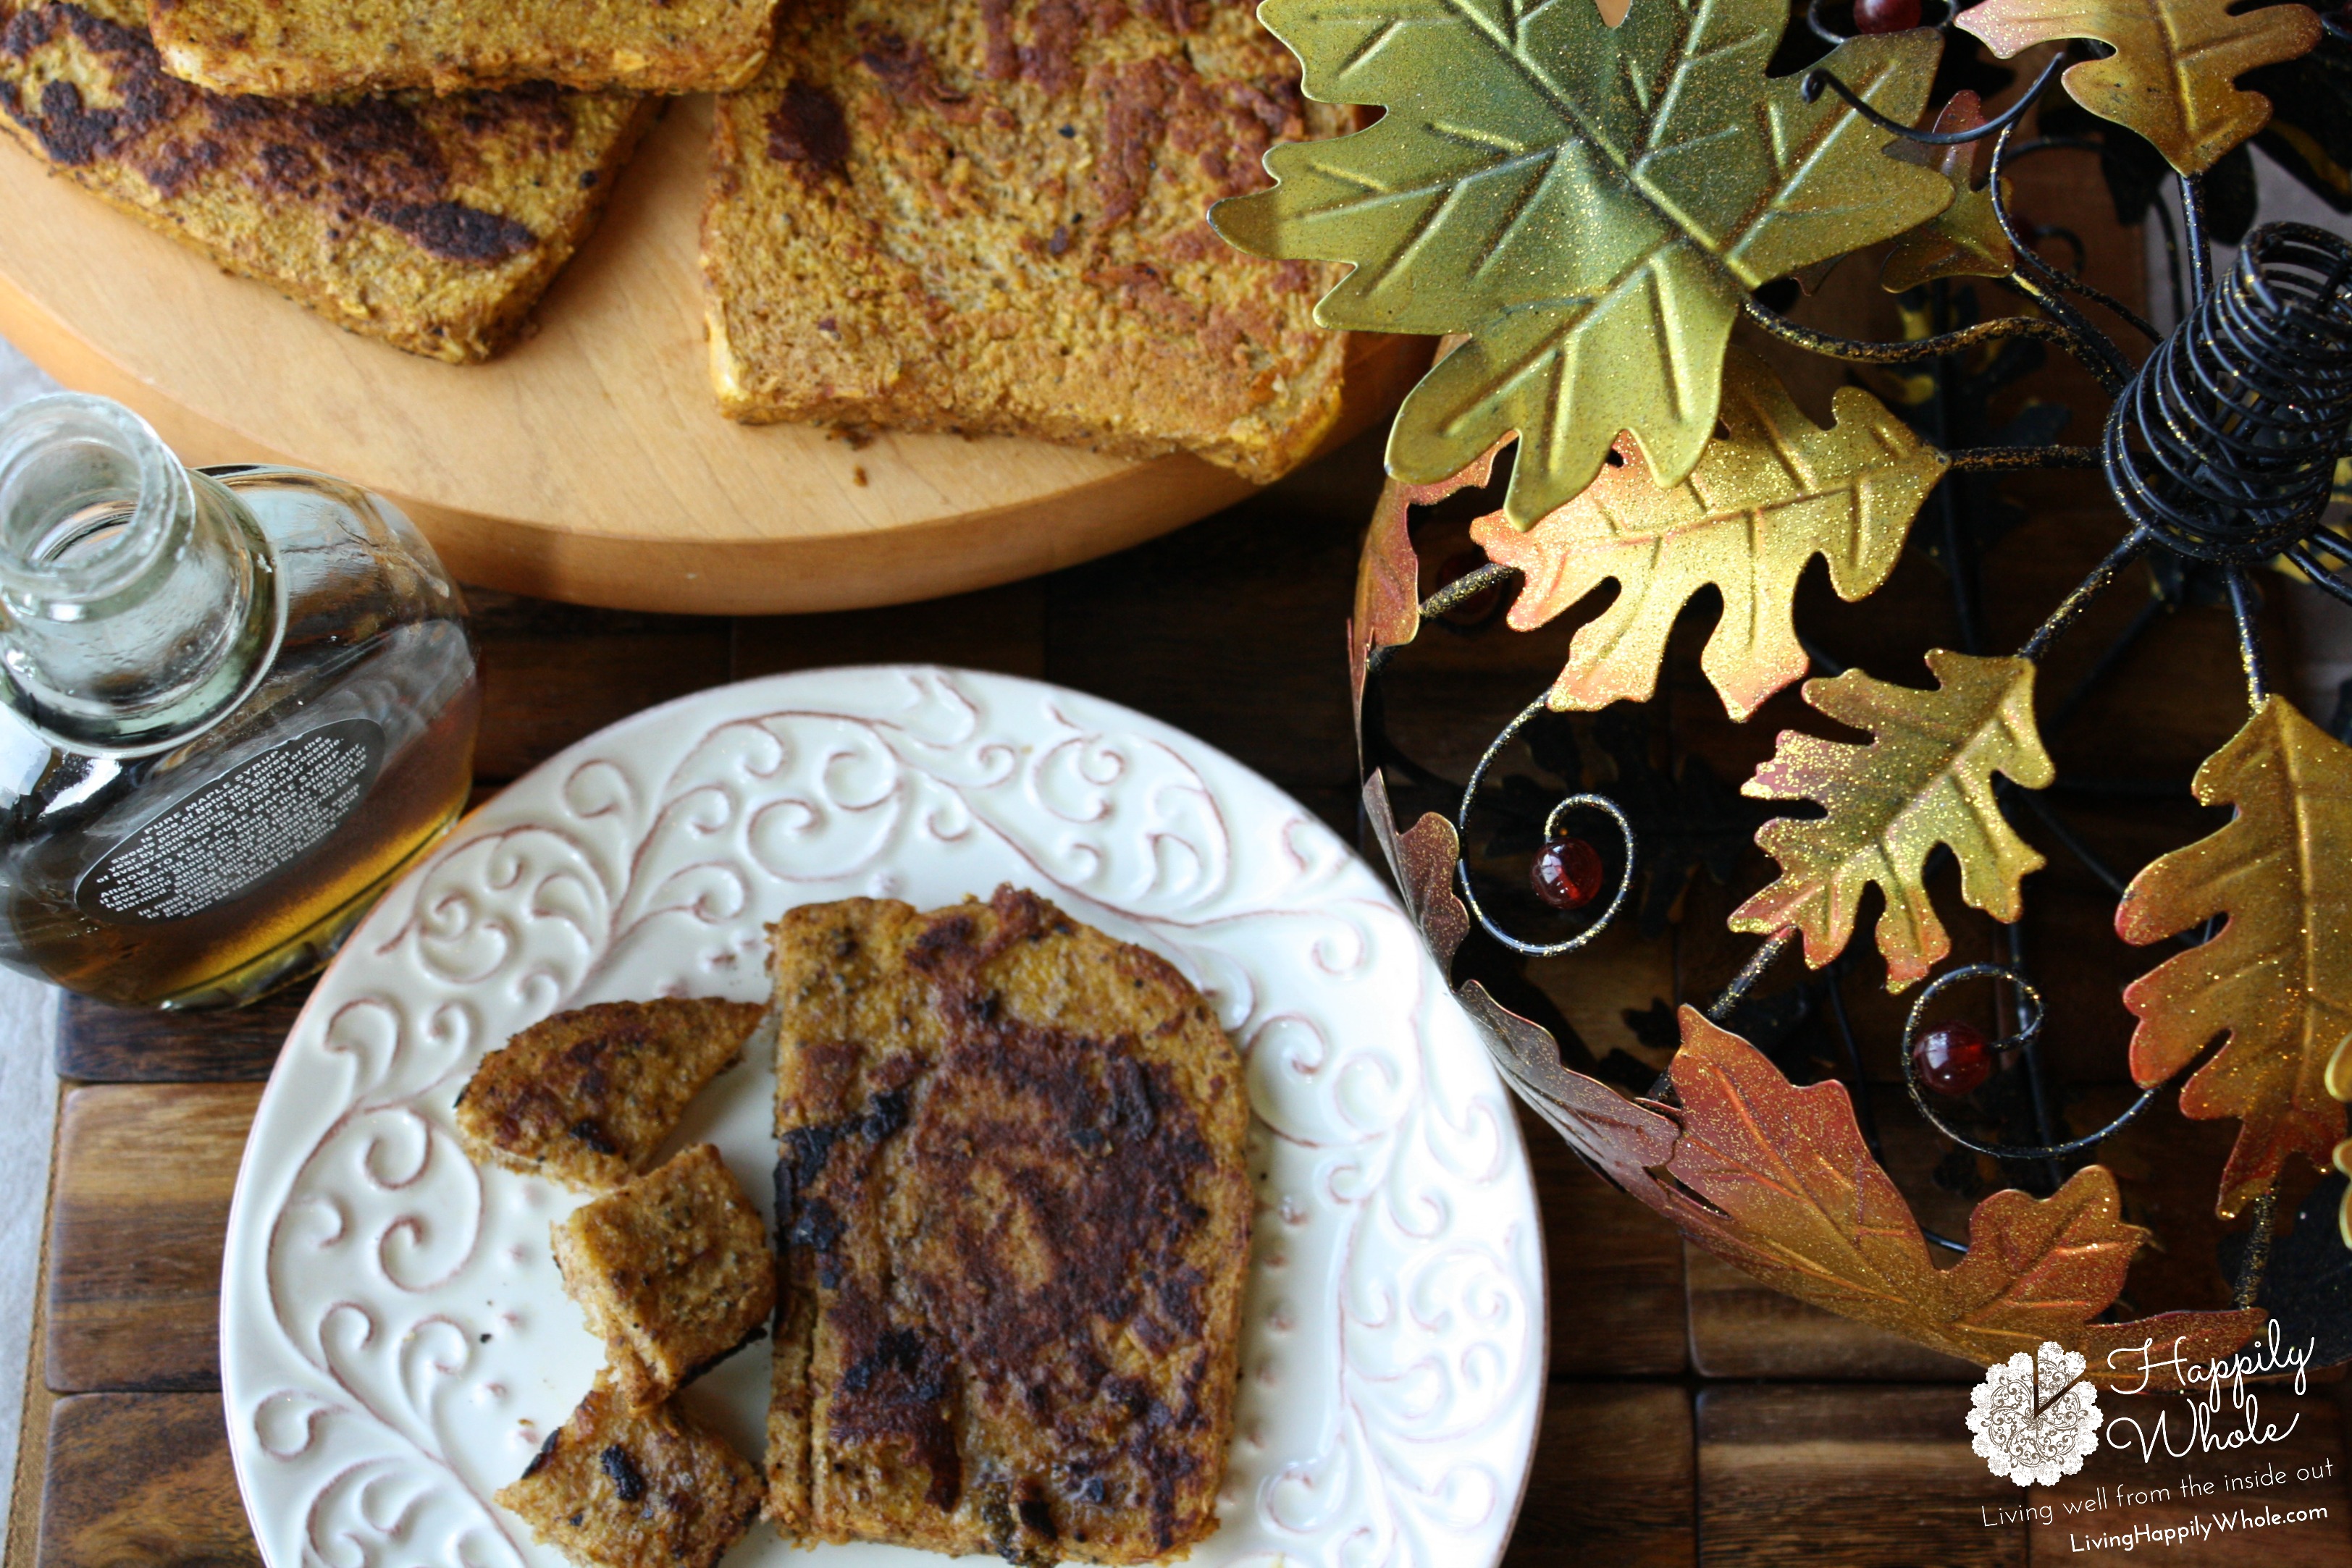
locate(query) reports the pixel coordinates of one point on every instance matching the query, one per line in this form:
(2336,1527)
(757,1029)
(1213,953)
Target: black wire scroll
(2031,1002)
(1588,802)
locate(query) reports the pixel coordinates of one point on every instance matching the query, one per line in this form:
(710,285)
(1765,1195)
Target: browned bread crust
(672,1271)
(930,215)
(298,48)
(650,1488)
(587,1097)
(433,224)
(1014,1213)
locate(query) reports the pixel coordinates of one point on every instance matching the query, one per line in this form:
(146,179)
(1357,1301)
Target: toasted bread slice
(672,1273)
(621,1489)
(1014,1215)
(587,1097)
(433,224)
(299,48)
(933,216)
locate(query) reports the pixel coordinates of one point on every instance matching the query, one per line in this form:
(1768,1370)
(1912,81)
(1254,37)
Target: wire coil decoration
(2225,446)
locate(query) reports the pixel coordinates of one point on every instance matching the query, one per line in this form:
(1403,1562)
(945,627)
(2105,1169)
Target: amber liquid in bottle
(209,775)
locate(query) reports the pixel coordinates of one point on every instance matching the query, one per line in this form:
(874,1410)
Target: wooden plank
(144,1172)
(2120,1492)
(33,1415)
(1614,1484)
(103,1044)
(552,674)
(1001,629)
(141,1481)
(1740,1328)
(1863,1477)
(1616,1270)
(1234,629)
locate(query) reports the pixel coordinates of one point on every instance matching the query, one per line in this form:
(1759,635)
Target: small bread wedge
(587,1097)
(613,1488)
(1014,1213)
(305,48)
(672,1271)
(930,215)
(432,223)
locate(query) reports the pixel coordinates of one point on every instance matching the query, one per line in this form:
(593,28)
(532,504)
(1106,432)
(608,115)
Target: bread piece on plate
(1014,1212)
(928,214)
(433,224)
(297,49)
(621,1489)
(672,1273)
(587,1097)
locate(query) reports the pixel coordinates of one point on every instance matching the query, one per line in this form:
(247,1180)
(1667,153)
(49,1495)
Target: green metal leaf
(1589,203)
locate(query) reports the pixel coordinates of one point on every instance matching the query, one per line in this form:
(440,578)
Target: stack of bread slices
(975,215)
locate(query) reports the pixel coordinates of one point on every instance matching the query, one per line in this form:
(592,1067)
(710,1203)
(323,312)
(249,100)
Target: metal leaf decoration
(1926,779)
(1388,575)
(1792,1194)
(1768,495)
(1964,240)
(2172,76)
(2278,977)
(1591,203)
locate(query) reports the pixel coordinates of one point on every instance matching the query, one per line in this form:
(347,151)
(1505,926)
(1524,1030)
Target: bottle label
(239,830)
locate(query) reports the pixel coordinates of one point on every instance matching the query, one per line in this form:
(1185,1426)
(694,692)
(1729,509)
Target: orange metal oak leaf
(1964,240)
(1926,779)
(1423,863)
(2278,977)
(1777,1181)
(1622,1138)
(1768,494)
(2172,75)
(1387,574)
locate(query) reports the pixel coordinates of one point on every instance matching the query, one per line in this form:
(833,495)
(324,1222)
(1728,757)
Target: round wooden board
(588,463)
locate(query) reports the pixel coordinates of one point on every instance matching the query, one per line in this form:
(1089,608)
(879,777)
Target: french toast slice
(672,1271)
(932,216)
(1013,1214)
(305,49)
(587,1097)
(432,223)
(615,1487)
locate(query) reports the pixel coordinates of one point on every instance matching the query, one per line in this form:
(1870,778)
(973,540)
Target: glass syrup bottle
(235,703)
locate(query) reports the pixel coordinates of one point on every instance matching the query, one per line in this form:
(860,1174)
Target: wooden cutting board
(588,463)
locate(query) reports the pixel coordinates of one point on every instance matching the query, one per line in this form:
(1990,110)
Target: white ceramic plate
(394,1342)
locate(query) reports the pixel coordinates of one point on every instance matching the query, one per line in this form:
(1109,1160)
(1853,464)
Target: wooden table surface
(1691,1416)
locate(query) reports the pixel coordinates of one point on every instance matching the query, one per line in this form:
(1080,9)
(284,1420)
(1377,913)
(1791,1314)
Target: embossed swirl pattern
(394,1339)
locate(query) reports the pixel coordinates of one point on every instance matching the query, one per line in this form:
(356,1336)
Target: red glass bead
(1568,873)
(1951,1059)
(1885,15)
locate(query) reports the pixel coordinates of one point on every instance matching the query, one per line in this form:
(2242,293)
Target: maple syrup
(235,705)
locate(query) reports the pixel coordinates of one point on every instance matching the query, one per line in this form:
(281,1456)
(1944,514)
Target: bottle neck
(140,602)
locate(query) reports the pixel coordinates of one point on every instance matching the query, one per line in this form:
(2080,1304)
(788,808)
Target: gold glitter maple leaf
(1926,779)
(2278,976)
(1769,493)
(1590,204)
(2172,76)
